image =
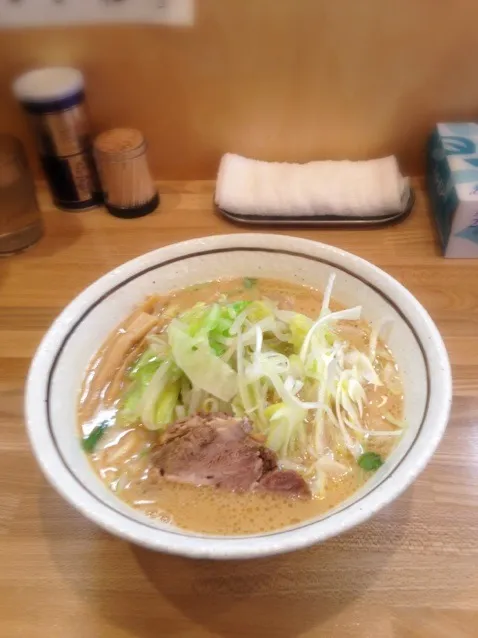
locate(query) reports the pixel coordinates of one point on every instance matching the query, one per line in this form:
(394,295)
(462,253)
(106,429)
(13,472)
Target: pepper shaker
(54,99)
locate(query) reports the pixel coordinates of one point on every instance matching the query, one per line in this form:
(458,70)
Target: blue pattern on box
(455,145)
(452,183)
(470,233)
(441,187)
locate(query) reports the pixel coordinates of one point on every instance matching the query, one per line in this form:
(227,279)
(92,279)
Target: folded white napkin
(342,188)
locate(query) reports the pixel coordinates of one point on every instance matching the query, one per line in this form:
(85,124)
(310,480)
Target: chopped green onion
(249,282)
(89,442)
(166,405)
(238,306)
(370,461)
(148,361)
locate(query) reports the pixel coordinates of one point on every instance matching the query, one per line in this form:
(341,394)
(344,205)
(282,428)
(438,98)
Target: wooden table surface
(411,572)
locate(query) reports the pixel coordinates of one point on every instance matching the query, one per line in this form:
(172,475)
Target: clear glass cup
(20,220)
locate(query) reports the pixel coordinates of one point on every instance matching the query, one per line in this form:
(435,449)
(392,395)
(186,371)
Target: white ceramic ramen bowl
(61,360)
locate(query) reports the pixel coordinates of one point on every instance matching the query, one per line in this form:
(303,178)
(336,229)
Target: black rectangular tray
(322,221)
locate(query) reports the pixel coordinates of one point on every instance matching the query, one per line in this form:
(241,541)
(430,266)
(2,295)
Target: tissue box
(452,182)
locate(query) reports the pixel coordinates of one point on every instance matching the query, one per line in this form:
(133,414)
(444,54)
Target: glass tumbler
(20,221)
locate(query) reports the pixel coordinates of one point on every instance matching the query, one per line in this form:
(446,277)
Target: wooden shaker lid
(120,143)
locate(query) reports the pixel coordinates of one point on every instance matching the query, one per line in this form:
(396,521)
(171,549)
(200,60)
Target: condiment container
(54,99)
(128,188)
(20,221)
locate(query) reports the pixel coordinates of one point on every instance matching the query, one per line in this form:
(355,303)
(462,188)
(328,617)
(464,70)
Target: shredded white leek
(302,386)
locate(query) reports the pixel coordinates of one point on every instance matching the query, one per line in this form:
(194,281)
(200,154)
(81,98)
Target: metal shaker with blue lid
(54,99)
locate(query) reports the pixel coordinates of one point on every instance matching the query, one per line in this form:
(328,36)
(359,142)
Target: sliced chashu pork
(218,450)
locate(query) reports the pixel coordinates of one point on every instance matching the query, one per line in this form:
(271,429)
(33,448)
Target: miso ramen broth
(335,448)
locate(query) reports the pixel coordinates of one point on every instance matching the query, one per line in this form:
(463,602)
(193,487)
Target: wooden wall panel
(273,79)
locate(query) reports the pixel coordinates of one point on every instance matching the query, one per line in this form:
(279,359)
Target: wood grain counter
(411,572)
